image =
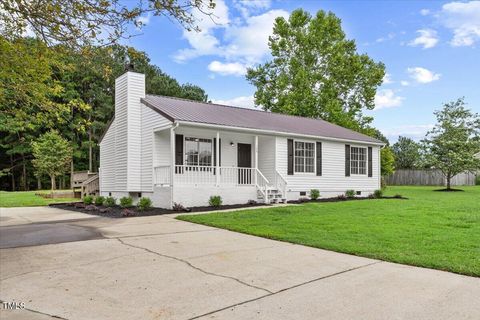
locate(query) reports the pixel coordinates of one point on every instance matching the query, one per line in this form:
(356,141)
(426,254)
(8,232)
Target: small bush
(314,194)
(342,197)
(110,201)
(144,204)
(378,193)
(350,194)
(371,196)
(88,200)
(178,207)
(99,200)
(251,202)
(215,201)
(126,202)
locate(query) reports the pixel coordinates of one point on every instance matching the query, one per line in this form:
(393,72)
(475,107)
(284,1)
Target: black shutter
(347,160)
(178,151)
(319,158)
(290,156)
(370,167)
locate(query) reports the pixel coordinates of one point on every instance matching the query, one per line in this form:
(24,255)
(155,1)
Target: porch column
(255,147)
(172,163)
(217,159)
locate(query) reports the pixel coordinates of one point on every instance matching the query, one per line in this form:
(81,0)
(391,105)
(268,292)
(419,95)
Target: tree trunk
(52,180)
(13,173)
(24,174)
(71,174)
(90,150)
(39,183)
(448,182)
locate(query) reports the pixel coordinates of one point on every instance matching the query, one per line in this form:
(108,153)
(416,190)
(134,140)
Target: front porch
(208,162)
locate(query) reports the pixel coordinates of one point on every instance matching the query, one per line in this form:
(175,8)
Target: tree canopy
(83,22)
(316,72)
(452,144)
(407,153)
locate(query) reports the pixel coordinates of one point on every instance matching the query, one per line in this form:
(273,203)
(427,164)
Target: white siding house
(179,151)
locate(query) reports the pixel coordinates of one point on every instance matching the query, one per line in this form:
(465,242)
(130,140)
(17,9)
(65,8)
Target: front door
(244,160)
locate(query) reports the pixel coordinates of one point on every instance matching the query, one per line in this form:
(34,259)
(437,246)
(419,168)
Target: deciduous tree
(407,153)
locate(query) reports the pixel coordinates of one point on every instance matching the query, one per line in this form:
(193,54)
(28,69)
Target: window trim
(358,161)
(314,172)
(185,137)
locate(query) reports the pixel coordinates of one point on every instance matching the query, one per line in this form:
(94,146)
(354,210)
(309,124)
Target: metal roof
(176,109)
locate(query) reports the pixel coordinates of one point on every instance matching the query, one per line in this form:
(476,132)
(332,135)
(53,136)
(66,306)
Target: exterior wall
(129,88)
(107,159)
(195,196)
(266,157)
(149,141)
(333,181)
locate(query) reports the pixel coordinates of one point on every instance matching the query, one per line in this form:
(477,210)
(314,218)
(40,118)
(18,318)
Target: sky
(431,50)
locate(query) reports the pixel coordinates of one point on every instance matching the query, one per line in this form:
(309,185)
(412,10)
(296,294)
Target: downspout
(172,160)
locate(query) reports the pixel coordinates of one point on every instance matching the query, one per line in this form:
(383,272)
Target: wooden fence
(428,178)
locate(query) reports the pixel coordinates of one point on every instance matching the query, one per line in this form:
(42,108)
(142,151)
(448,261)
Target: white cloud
(404,83)
(242,40)
(233,68)
(463,18)
(422,75)
(242,101)
(415,131)
(387,79)
(386,98)
(424,12)
(248,7)
(389,36)
(428,39)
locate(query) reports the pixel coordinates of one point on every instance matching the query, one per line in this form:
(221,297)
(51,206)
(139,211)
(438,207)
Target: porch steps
(274,196)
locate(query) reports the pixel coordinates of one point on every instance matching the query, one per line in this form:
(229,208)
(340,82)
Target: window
(358,160)
(304,157)
(198,152)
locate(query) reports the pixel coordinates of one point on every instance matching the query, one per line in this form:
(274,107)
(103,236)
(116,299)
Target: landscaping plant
(215,201)
(314,194)
(88,200)
(99,200)
(350,194)
(378,193)
(178,207)
(126,202)
(144,204)
(110,201)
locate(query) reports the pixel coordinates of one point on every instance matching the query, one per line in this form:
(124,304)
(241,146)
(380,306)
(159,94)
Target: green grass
(439,230)
(27,199)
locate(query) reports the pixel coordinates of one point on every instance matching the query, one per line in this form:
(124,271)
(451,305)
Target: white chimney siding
(129,89)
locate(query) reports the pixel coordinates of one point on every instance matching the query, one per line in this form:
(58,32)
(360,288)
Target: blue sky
(430,49)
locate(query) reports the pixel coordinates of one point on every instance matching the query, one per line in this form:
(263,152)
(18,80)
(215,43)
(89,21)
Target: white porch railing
(280,183)
(162,175)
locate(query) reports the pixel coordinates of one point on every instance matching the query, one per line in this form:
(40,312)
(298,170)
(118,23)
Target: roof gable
(176,109)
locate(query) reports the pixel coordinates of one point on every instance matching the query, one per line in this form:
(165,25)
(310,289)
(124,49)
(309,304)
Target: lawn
(27,199)
(439,230)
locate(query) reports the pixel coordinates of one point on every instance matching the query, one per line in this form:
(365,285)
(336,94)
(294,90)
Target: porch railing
(280,183)
(162,175)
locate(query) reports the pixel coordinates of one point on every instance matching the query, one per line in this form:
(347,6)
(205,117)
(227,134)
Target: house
(179,151)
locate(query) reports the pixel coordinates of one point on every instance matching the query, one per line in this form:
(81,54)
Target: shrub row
(125,202)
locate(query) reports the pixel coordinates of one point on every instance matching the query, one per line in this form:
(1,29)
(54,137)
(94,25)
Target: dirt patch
(118,212)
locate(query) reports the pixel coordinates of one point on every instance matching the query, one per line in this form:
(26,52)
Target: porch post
(256,158)
(217,159)
(172,163)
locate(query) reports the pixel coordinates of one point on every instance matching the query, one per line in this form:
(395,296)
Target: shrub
(314,194)
(178,207)
(110,201)
(126,202)
(378,193)
(342,197)
(144,204)
(99,200)
(251,202)
(215,201)
(88,200)
(350,194)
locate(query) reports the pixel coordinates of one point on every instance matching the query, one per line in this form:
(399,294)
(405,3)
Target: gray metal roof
(176,109)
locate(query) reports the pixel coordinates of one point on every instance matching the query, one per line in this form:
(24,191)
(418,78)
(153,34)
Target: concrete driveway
(65,265)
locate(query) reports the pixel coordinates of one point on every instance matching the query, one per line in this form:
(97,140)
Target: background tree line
(67,89)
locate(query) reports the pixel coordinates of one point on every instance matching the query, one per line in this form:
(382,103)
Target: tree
(387,159)
(407,153)
(316,72)
(81,22)
(52,155)
(453,142)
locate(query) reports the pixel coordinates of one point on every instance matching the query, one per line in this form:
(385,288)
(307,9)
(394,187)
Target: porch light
(232,144)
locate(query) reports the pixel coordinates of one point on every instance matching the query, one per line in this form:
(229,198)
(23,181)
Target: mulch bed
(118,212)
(449,190)
(340,199)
